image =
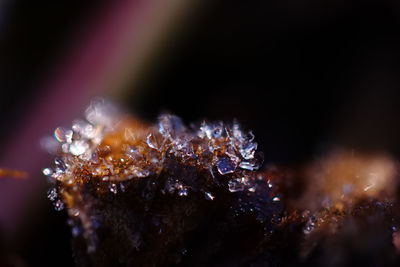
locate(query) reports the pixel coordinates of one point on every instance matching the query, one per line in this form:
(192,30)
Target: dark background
(305,76)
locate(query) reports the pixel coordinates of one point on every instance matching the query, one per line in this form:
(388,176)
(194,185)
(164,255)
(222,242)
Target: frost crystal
(58,205)
(78,147)
(52,194)
(101,112)
(170,125)
(214,146)
(151,142)
(209,196)
(235,185)
(225,166)
(114,155)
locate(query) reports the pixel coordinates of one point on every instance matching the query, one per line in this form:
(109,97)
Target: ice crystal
(58,205)
(216,145)
(209,196)
(106,158)
(151,142)
(52,194)
(78,147)
(235,185)
(225,166)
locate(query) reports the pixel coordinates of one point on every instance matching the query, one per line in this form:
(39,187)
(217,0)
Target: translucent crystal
(151,142)
(137,172)
(169,125)
(122,187)
(101,112)
(204,130)
(275,199)
(235,186)
(170,186)
(218,130)
(309,227)
(183,148)
(78,147)
(237,132)
(211,131)
(230,152)
(225,166)
(248,165)
(85,130)
(252,189)
(142,173)
(247,151)
(60,165)
(208,196)
(113,188)
(133,153)
(58,205)
(183,192)
(52,194)
(65,148)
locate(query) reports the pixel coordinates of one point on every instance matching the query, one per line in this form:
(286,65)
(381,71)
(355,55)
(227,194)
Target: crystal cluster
(156,188)
(167,194)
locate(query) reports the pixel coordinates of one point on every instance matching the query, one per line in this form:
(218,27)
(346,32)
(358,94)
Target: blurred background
(305,76)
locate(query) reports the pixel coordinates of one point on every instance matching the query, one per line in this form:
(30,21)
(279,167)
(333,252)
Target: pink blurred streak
(79,77)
